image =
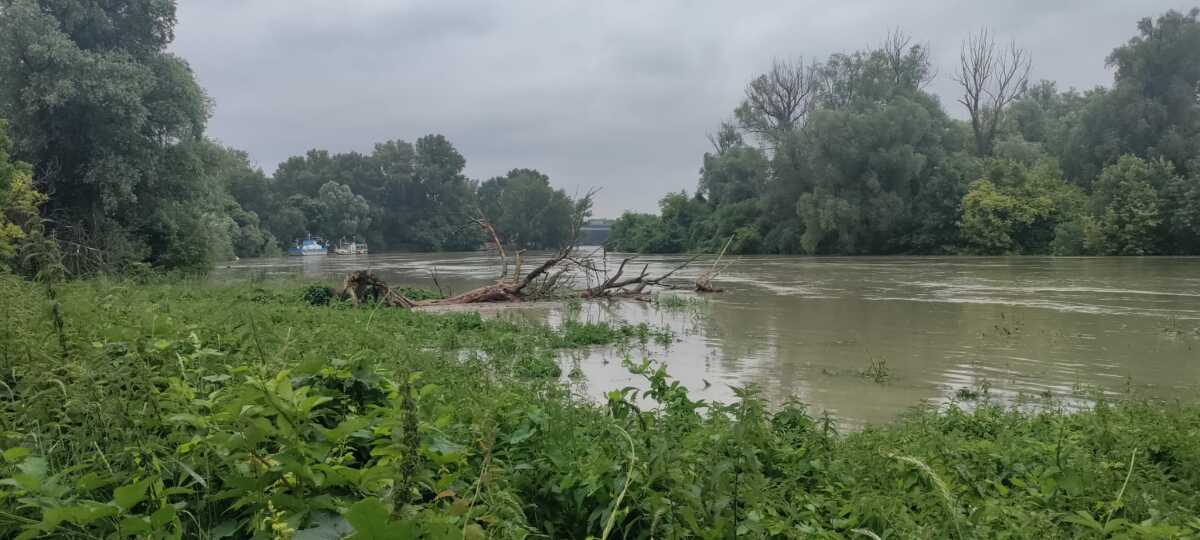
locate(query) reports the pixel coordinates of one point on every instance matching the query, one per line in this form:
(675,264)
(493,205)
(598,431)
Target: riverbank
(237,410)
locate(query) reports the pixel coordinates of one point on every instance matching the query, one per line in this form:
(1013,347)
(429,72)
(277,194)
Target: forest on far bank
(852,155)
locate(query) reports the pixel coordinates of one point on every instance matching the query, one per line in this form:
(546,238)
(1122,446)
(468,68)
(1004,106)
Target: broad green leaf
(135,525)
(1083,518)
(127,497)
(15,454)
(369,517)
(161,517)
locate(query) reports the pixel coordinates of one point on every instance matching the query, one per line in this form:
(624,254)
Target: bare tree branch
(991,80)
(910,63)
(778,100)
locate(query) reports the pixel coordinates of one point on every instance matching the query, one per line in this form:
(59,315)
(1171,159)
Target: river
(809,327)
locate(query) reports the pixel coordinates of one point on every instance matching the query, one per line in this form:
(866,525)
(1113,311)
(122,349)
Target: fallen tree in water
(565,274)
(554,278)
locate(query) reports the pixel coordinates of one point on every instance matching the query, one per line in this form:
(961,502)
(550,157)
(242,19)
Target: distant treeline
(104,159)
(404,196)
(853,156)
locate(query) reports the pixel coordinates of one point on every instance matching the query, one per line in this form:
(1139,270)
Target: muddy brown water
(808,327)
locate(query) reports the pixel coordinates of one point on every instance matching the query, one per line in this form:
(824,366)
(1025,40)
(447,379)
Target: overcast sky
(616,95)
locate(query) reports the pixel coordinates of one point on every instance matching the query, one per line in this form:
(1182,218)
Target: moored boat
(353,247)
(308,246)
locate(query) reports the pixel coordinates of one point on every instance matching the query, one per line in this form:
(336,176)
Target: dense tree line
(852,156)
(405,196)
(108,131)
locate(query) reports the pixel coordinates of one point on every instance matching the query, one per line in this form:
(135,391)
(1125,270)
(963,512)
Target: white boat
(351,248)
(308,247)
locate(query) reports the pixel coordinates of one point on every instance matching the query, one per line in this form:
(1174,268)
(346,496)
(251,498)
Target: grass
(187,409)
(696,307)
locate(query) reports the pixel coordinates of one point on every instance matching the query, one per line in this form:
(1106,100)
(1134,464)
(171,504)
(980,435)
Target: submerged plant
(877,370)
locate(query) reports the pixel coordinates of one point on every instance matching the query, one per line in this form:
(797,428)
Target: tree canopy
(851,155)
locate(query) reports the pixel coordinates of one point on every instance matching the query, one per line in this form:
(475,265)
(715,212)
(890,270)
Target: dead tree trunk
(704,281)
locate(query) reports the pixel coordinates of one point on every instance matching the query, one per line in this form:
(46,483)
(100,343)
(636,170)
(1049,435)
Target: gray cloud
(617,95)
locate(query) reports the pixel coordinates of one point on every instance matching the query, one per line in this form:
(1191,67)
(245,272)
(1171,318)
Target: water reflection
(806,327)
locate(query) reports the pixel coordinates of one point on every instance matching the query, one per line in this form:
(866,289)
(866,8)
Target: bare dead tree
(991,78)
(778,100)
(909,62)
(704,283)
(487,227)
(433,274)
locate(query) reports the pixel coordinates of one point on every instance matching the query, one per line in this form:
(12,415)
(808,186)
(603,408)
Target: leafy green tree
(343,214)
(1180,203)
(682,216)
(1045,117)
(1126,209)
(397,199)
(867,162)
(19,201)
(937,204)
(446,196)
(1017,209)
(1151,109)
(734,171)
(639,233)
(417,196)
(526,210)
(103,111)
(990,217)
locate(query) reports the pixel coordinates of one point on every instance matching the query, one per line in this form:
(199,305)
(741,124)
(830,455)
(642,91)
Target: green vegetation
(161,407)
(524,207)
(19,201)
(112,125)
(188,409)
(854,156)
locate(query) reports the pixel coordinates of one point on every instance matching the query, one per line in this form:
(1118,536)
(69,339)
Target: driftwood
(362,286)
(551,279)
(704,281)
